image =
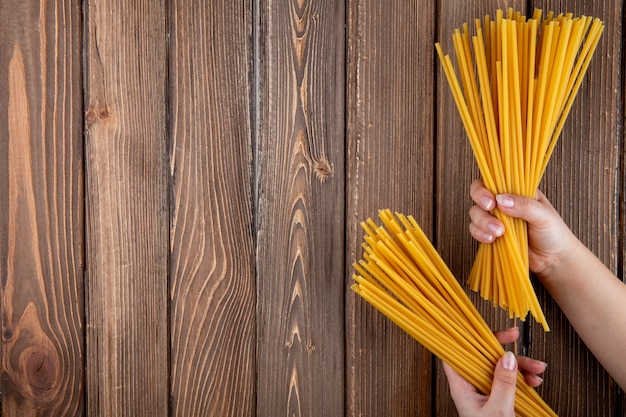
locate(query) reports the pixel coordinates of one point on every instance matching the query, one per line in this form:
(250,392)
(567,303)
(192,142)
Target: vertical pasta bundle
(402,275)
(516,90)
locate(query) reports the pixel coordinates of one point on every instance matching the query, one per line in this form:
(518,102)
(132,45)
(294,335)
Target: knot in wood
(7,335)
(40,369)
(95,113)
(322,170)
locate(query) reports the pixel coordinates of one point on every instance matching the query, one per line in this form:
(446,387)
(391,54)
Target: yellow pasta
(402,275)
(518,83)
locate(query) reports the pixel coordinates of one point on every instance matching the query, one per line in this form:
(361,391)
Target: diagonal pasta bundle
(402,275)
(529,72)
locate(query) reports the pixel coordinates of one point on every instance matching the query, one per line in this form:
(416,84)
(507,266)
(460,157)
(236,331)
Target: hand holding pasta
(470,403)
(402,275)
(572,274)
(517,86)
(501,400)
(548,236)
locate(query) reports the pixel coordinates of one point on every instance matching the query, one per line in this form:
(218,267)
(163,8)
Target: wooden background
(181,184)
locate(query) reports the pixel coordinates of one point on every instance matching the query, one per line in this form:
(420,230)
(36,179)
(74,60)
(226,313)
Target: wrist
(559,267)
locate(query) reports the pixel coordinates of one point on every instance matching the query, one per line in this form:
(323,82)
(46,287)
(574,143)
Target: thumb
(502,395)
(530,209)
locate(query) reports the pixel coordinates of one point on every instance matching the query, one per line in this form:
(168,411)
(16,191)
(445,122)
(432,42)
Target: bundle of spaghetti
(402,275)
(517,86)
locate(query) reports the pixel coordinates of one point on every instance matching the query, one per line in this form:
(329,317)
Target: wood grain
(212,285)
(127,208)
(300,200)
(41,209)
(390,165)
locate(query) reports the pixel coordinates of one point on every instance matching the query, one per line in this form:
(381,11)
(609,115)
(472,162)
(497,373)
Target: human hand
(548,236)
(501,401)
(529,367)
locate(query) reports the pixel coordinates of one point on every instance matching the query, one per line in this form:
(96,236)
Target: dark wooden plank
(456,169)
(127,208)
(212,285)
(390,165)
(300,224)
(41,208)
(583,181)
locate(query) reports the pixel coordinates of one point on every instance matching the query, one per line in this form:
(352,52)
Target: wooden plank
(300,165)
(456,169)
(212,286)
(127,208)
(583,181)
(41,208)
(390,165)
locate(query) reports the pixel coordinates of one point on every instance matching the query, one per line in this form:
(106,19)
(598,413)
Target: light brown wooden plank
(127,208)
(390,165)
(582,181)
(212,286)
(300,223)
(41,208)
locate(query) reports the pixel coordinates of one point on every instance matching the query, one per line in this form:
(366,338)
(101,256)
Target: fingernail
(509,362)
(495,229)
(505,201)
(487,202)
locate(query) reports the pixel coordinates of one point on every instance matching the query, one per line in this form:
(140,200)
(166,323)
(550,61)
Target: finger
(530,365)
(480,235)
(482,196)
(502,397)
(483,226)
(532,379)
(508,335)
(529,209)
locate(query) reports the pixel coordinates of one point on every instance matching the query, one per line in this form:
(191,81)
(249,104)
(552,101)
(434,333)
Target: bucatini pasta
(515,91)
(402,275)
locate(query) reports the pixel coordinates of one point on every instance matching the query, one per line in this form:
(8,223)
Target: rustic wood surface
(300,208)
(390,161)
(212,282)
(127,213)
(207,164)
(41,208)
